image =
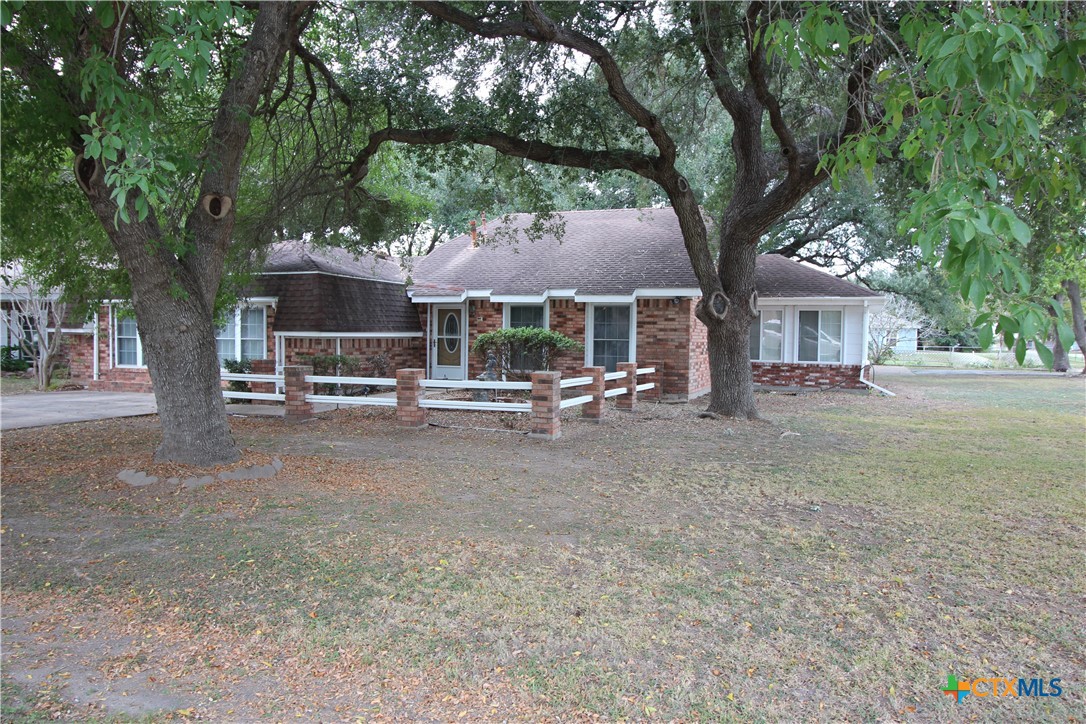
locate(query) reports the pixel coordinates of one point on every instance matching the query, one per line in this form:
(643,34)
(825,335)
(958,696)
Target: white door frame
(440,372)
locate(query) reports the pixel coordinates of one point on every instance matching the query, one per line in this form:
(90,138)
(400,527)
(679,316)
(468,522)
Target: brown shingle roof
(300,256)
(598,252)
(329,289)
(778,276)
(328,303)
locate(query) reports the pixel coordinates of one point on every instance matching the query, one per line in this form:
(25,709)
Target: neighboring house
(17,304)
(619,282)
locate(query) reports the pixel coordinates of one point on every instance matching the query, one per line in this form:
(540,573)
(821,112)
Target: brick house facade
(618,282)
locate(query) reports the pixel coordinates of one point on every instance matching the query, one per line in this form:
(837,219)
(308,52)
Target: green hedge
(524,349)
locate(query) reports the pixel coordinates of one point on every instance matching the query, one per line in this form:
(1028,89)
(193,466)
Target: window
(767,336)
(127,343)
(610,328)
(820,335)
(243,336)
(526,315)
(226,342)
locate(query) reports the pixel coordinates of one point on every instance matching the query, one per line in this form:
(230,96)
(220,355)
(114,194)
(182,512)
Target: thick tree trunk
(178,338)
(1078,320)
(1060,361)
(732,393)
(173,294)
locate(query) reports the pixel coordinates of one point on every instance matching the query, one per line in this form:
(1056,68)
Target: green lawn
(657,566)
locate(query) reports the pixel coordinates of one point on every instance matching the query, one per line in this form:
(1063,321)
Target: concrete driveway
(37,409)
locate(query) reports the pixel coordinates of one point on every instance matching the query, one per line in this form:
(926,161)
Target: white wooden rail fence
(279,383)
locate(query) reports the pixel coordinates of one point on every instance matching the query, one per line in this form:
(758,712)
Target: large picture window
(127,342)
(610,335)
(820,335)
(243,336)
(767,336)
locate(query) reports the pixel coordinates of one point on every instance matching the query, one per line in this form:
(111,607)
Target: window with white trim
(243,336)
(767,336)
(820,335)
(525,315)
(611,328)
(126,342)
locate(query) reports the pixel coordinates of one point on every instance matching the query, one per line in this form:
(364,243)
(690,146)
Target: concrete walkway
(905,371)
(37,409)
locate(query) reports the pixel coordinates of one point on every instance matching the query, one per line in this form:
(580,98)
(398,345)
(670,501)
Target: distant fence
(545,400)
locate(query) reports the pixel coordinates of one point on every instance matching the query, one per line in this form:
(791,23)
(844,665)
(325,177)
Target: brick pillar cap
(544,376)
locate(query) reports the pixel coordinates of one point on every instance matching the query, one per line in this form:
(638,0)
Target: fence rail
(412,405)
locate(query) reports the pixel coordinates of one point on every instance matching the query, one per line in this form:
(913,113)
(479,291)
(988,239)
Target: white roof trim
(348,335)
(836,301)
(479,293)
(519,298)
(605,298)
(438,299)
(666,293)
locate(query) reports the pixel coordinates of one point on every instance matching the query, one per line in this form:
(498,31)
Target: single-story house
(618,281)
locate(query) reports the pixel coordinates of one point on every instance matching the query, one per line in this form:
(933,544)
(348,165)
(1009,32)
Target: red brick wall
(402,353)
(663,336)
(77,351)
(699,352)
(807,374)
(567,317)
(486,317)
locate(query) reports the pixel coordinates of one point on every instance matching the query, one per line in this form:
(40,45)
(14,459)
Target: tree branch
(542,29)
(756,66)
(569,156)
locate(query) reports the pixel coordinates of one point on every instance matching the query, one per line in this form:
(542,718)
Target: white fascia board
(519,298)
(561,293)
(667,293)
(444,299)
(818,301)
(348,335)
(605,298)
(478,294)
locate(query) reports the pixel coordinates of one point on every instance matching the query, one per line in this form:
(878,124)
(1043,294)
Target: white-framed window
(609,335)
(821,333)
(127,348)
(526,315)
(516,316)
(767,336)
(244,335)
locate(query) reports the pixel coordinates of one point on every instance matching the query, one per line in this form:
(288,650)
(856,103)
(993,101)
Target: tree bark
(732,393)
(1060,360)
(173,294)
(1078,320)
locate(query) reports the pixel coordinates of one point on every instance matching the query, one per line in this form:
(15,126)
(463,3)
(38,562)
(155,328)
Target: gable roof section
(330,289)
(299,257)
(599,252)
(776,276)
(611,252)
(327,303)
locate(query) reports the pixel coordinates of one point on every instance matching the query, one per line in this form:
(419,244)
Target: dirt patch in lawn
(655,566)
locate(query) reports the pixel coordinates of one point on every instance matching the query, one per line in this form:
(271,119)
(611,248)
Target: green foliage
(238,367)
(512,348)
(10,362)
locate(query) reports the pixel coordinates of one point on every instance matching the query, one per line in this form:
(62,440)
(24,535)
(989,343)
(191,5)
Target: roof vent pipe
(474,236)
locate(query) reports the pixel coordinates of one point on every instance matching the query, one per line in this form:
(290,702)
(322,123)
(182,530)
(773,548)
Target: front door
(448,339)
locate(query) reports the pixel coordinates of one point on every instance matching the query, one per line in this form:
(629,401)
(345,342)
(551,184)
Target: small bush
(524,349)
(9,362)
(242,367)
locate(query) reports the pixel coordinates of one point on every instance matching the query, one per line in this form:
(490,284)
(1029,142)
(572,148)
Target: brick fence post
(296,388)
(408,396)
(629,400)
(263,367)
(546,405)
(593,411)
(657,378)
